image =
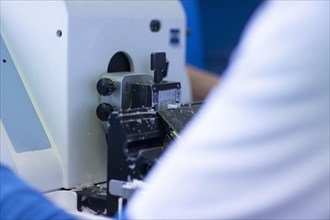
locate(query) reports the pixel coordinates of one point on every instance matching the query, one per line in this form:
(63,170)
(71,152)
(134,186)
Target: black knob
(103,111)
(105,87)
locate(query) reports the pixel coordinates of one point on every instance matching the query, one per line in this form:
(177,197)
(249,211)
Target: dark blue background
(215,27)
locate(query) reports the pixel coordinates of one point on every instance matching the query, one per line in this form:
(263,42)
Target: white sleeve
(259,147)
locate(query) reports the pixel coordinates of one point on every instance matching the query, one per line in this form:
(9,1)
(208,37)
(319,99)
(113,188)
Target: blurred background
(215,27)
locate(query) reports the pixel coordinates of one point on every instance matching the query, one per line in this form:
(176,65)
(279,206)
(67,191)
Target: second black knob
(103,111)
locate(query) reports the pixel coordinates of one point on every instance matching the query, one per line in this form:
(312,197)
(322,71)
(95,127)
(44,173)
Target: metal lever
(159,65)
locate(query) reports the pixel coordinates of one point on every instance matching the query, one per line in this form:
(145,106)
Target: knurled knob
(103,111)
(105,87)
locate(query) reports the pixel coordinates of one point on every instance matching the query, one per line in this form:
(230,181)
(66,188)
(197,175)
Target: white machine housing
(60,49)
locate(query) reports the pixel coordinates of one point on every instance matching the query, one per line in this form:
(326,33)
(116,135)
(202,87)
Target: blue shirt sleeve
(20,201)
(195,50)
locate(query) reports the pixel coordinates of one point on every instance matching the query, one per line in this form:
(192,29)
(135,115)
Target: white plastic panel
(60,71)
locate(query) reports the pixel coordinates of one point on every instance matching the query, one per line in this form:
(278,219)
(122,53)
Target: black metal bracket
(159,64)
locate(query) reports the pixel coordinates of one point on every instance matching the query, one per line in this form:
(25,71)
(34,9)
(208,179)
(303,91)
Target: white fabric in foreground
(259,148)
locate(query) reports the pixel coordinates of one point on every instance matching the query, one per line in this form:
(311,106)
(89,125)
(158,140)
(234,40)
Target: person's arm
(20,201)
(259,146)
(201,82)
